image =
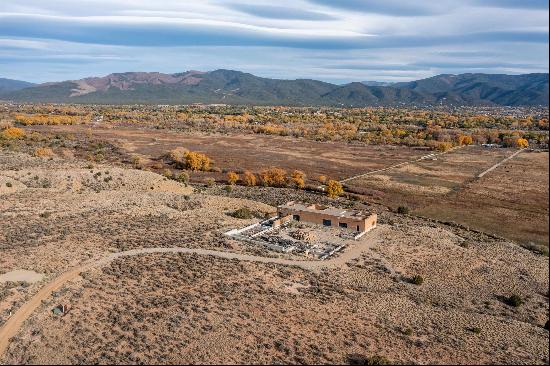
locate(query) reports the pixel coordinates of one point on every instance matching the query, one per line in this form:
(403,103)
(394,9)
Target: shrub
(444,146)
(475,330)
(167,173)
(13,133)
(136,162)
(9,185)
(232,178)
(417,280)
(157,165)
(183,177)
(177,156)
(210,182)
(536,248)
(275,177)
(242,213)
(403,210)
(249,179)
(334,188)
(229,188)
(514,300)
(298,178)
(43,152)
(357,359)
(322,179)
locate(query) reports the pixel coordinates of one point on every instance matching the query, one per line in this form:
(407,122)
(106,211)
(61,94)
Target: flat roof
(327,210)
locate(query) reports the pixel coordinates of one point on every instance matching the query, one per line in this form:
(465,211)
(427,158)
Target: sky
(337,41)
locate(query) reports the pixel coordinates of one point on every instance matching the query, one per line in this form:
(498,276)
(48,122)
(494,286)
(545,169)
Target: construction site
(310,230)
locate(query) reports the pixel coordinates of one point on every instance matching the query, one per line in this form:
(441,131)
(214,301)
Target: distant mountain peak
(236,87)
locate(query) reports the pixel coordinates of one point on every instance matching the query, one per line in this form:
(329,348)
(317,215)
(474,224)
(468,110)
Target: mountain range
(235,87)
(9,85)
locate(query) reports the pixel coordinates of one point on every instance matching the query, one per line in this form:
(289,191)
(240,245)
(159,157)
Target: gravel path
(14,323)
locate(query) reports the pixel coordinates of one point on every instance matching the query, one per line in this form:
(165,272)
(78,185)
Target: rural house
(327,216)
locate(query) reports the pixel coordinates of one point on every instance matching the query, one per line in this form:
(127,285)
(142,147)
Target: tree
(322,179)
(197,161)
(232,178)
(522,143)
(249,179)
(518,142)
(275,177)
(298,178)
(465,140)
(334,188)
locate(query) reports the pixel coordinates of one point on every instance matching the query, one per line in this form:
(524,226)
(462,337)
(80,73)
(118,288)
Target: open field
(239,152)
(442,188)
(511,200)
(198,306)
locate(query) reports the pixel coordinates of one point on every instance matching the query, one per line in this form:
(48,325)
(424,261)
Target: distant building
(327,216)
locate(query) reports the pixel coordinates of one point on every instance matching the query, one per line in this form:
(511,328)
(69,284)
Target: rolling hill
(235,87)
(9,85)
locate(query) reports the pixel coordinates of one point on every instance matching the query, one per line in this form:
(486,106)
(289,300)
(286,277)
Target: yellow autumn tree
(522,143)
(249,179)
(275,177)
(298,178)
(232,178)
(197,161)
(465,140)
(334,188)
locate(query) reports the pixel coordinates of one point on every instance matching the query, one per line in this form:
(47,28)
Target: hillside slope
(234,87)
(10,85)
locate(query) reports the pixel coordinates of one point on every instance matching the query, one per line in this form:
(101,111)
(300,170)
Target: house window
(327,222)
(296,217)
(343,224)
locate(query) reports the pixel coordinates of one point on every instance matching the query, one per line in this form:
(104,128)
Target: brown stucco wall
(355,224)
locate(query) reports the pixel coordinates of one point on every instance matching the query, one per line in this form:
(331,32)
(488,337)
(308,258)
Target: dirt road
(429,156)
(499,163)
(14,323)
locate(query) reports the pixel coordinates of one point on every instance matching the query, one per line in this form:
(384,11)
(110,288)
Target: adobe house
(327,216)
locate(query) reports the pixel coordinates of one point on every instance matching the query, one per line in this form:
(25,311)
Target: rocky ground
(424,292)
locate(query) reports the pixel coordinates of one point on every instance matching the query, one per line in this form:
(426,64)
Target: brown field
(338,160)
(510,202)
(226,302)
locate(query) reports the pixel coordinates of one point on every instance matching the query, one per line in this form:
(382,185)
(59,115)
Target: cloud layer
(337,41)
